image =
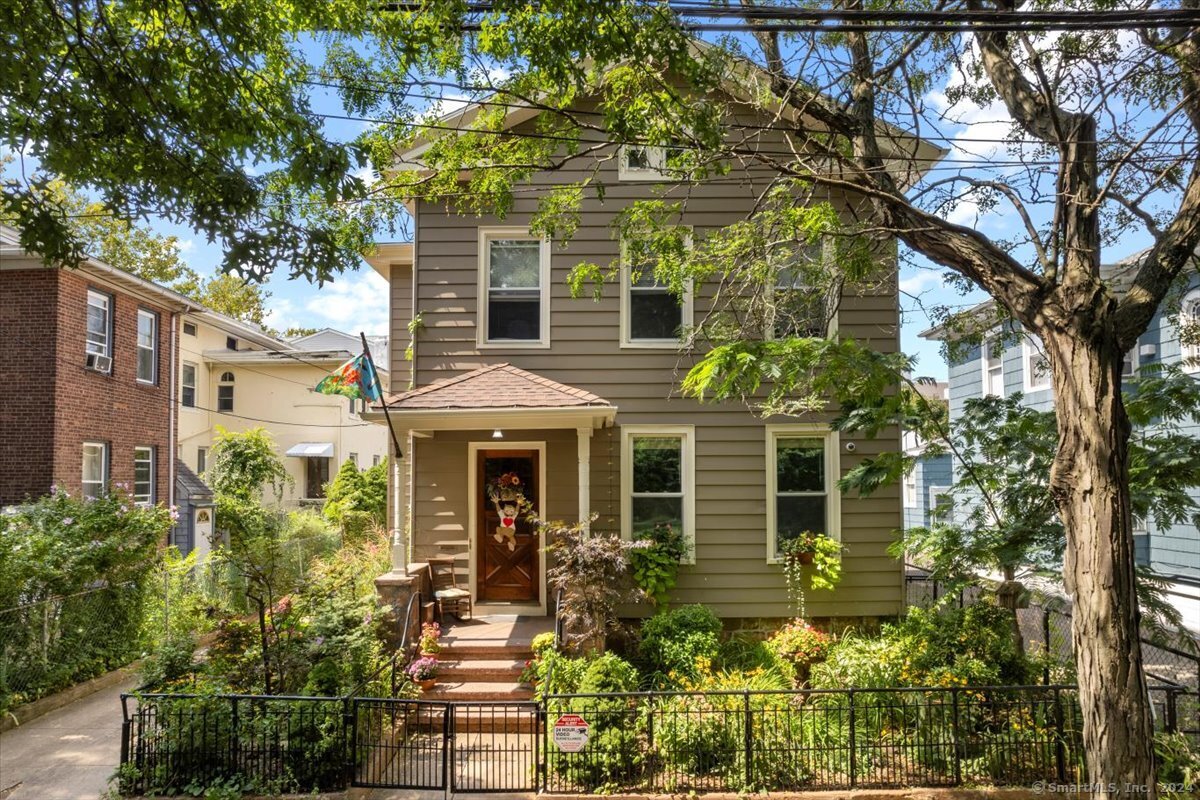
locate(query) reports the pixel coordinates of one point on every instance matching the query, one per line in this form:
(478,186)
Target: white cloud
(920,281)
(352,302)
(185,245)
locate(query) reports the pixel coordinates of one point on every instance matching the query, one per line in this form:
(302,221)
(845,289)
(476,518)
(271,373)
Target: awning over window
(312,450)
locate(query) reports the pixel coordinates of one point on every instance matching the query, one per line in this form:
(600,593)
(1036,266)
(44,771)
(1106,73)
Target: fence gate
(495,746)
(400,744)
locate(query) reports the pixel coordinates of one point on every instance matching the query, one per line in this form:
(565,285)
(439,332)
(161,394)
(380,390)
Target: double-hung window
(147,347)
(143,476)
(802,496)
(225,393)
(99,331)
(187,381)
(514,288)
(992,355)
(652,315)
(641,162)
(658,483)
(1189,331)
(1036,366)
(793,307)
(95,469)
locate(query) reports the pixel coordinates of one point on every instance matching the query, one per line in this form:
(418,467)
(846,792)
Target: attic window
(231,343)
(189,328)
(639,162)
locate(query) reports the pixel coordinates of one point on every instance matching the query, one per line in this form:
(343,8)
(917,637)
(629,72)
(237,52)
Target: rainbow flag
(355,378)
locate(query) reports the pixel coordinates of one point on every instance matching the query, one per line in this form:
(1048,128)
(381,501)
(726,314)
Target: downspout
(171,432)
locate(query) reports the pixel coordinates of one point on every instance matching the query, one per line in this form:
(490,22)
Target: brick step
(480,670)
(497,719)
(469,691)
(471,650)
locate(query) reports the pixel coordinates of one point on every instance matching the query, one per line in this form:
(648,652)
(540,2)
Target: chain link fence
(1045,626)
(50,644)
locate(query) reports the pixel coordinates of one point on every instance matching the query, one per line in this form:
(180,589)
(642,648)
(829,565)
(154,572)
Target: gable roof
(498,386)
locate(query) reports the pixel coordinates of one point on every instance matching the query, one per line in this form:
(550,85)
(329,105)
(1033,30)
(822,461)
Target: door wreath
(508,496)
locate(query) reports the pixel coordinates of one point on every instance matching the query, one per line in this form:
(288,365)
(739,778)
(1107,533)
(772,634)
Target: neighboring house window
(95,469)
(1129,364)
(941,503)
(375,461)
(231,343)
(1189,331)
(639,162)
(189,328)
(993,367)
(514,290)
(143,476)
(651,315)
(99,331)
(316,475)
(147,347)
(225,392)
(910,489)
(201,459)
(1035,366)
(187,379)
(354,459)
(658,482)
(802,470)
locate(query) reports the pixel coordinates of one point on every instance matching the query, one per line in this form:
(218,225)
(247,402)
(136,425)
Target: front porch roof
(498,394)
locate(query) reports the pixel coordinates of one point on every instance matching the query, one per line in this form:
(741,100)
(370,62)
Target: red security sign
(570,733)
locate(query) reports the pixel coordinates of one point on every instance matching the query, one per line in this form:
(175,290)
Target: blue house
(932,475)
(1010,361)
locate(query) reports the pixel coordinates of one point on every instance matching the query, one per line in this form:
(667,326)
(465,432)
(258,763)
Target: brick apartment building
(88,386)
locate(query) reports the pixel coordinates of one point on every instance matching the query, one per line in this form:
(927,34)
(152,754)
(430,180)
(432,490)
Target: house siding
(930,472)
(585,352)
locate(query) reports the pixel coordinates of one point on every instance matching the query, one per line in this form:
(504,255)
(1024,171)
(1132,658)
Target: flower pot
(804,558)
(427,684)
(427,654)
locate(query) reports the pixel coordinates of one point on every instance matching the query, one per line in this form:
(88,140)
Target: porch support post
(397,487)
(584,439)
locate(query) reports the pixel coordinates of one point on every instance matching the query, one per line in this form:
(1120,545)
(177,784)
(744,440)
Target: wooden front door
(507,555)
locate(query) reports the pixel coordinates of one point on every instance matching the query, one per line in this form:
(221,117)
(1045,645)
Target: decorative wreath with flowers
(507,494)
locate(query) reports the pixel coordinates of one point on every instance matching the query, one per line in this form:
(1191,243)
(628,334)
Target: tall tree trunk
(1089,480)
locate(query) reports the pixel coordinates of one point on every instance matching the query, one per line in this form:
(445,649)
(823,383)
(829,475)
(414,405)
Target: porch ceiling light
(497,434)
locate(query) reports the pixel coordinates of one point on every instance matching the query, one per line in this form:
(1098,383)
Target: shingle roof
(494,387)
(188,483)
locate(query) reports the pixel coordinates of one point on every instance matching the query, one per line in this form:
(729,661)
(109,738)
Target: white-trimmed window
(187,385)
(658,482)
(802,473)
(147,346)
(941,503)
(651,315)
(910,489)
(99,331)
(201,459)
(225,393)
(1189,323)
(1034,365)
(514,288)
(641,162)
(95,469)
(794,309)
(992,355)
(1129,364)
(143,476)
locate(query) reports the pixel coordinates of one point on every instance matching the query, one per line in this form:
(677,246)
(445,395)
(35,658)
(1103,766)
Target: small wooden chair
(449,595)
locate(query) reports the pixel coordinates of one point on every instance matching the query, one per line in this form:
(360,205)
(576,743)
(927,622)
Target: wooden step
(472,691)
(483,649)
(480,670)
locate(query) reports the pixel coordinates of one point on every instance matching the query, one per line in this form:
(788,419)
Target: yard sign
(570,733)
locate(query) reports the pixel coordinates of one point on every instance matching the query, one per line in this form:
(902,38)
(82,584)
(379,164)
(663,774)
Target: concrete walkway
(69,754)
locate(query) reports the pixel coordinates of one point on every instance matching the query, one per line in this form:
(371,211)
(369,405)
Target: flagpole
(398,565)
(382,400)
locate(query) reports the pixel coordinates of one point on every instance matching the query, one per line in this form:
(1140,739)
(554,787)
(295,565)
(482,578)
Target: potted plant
(424,672)
(815,550)
(430,633)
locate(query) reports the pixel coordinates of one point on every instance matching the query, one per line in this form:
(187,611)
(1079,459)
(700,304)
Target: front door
(507,552)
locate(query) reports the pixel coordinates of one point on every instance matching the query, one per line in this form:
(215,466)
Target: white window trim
(911,491)
(686,316)
(1134,363)
(481,304)
(934,491)
(1028,353)
(136,451)
(687,434)
(150,315)
(1189,354)
(833,472)
(195,387)
(231,383)
(107,300)
(657,157)
(831,324)
(986,346)
(103,468)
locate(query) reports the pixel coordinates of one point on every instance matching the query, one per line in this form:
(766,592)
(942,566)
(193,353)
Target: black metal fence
(733,741)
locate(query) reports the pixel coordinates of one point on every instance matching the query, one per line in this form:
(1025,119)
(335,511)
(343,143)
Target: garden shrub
(608,674)
(676,641)
(613,755)
(800,645)
(73,577)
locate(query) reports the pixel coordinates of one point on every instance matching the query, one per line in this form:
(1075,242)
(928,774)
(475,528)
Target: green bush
(73,577)
(679,644)
(608,674)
